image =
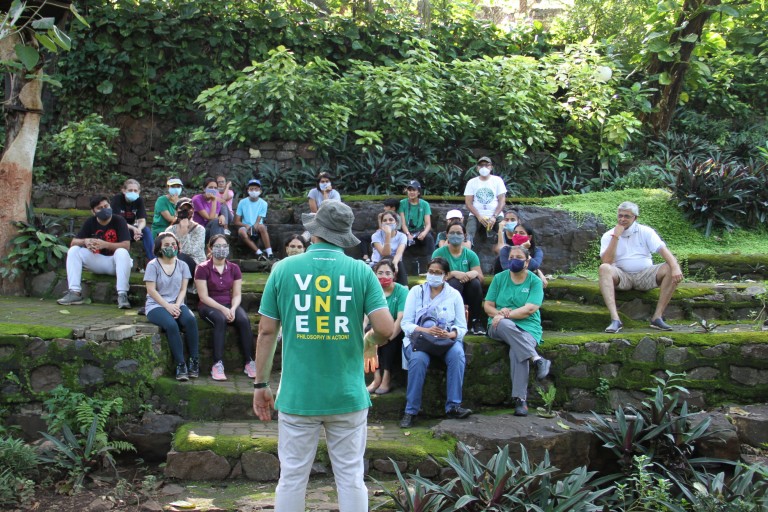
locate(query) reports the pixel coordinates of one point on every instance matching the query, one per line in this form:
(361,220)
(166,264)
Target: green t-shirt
(506,294)
(396,300)
(414,214)
(320,298)
(463,262)
(163,204)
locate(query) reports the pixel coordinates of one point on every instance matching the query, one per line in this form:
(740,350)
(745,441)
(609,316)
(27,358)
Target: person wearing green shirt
(416,218)
(389,354)
(512,305)
(319,298)
(466,274)
(165,207)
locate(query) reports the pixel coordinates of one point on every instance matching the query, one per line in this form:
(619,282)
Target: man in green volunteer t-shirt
(319,298)
(512,305)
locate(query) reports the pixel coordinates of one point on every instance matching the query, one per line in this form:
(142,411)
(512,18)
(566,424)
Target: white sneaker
(217,372)
(250,370)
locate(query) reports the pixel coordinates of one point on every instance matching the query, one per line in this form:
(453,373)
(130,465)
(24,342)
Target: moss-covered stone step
(219,450)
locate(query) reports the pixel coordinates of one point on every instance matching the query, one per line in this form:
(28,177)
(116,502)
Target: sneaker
(217,372)
(122,301)
(261,257)
(71,298)
(542,368)
(181,372)
(521,409)
(408,420)
(477,328)
(194,367)
(660,324)
(227,232)
(458,412)
(272,258)
(615,326)
(250,369)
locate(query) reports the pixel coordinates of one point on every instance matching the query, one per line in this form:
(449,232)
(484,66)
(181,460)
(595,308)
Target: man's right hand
(618,230)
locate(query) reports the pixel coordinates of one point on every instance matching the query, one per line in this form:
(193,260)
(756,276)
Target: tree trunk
(666,98)
(23,109)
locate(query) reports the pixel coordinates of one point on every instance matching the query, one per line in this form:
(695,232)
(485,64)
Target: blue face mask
(516,265)
(212,191)
(455,238)
(174,191)
(434,281)
(510,226)
(131,196)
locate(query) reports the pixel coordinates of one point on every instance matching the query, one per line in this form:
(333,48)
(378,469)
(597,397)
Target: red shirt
(219,285)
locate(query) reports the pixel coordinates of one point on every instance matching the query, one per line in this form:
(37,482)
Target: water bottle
(442,319)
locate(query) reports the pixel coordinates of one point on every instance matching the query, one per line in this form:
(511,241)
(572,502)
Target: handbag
(429,343)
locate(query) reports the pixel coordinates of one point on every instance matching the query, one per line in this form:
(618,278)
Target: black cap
(414,184)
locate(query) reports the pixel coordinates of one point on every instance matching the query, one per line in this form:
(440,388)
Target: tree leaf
(44,23)
(77,15)
(62,39)
(105,87)
(46,41)
(665,78)
(28,56)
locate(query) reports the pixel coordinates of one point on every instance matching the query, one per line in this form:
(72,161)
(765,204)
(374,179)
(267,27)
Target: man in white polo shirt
(625,252)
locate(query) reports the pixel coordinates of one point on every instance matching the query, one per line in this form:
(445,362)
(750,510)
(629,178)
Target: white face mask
(484,171)
(254,194)
(325,186)
(434,281)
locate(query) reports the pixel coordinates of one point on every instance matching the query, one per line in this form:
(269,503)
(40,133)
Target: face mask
(510,226)
(182,214)
(174,191)
(386,282)
(325,186)
(220,253)
(131,196)
(104,214)
(484,171)
(455,238)
(520,239)
(293,251)
(170,252)
(211,191)
(254,194)
(434,281)
(516,265)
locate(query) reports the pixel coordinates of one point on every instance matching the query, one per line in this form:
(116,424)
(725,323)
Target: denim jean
(418,362)
(345,436)
(173,326)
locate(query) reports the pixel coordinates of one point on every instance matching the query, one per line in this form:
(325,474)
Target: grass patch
(40,331)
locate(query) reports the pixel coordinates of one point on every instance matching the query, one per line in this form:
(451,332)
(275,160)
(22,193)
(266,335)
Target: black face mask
(182,214)
(104,213)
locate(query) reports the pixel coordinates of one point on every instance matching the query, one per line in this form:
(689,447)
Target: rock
(675,355)
(45,378)
(578,371)
(620,344)
(723,443)
(29,419)
(704,373)
(636,309)
(568,449)
(6,351)
(582,400)
(645,351)
(202,465)
(755,351)
(752,427)
(143,328)
(127,366)
(151,506)
(99,505)
(260,466)
(42,284)
(95,334)
(318,468)
(153,435)
(754,291)
(90,375)
(171,490)
(608,371)
(600,349)
(428,468)
(386,466)
(36,348)
(120,332)
(237,471)
(716,351)
(749,376)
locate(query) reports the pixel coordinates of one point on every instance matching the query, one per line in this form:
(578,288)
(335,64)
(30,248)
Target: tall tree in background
(26,30)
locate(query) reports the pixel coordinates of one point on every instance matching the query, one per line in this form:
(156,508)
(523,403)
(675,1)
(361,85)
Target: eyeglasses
(435,273)
(385,274)
(625,216)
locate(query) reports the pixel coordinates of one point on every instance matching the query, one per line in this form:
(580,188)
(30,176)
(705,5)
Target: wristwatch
(260,385)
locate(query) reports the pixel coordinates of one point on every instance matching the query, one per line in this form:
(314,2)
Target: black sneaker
(181,372)
(272,258)
(477,328)
(194,367)
(542,368)
(458,412)
(521,409)
(408,420)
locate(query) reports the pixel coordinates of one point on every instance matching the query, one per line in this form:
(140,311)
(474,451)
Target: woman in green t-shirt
(389,354)
(165,207)
(466,274)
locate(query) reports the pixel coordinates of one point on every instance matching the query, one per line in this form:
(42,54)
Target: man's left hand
(263,403)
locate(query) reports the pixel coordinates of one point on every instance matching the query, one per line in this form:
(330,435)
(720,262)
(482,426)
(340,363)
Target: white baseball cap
(454,214)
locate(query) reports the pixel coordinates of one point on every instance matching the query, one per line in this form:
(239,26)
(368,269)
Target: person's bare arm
(263,400)
(609,256)
(674,266)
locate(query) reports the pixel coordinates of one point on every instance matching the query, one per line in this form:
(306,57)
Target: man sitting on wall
(625,252)
(101,246)
(249,219)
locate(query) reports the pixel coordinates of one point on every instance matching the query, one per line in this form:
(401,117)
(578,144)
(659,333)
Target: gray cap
(333,223)
(484,159)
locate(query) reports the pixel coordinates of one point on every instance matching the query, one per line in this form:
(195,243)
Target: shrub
(81,153)
(35,249)
(19,461)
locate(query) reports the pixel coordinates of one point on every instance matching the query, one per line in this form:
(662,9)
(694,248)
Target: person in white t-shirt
(625,252)
(485,196)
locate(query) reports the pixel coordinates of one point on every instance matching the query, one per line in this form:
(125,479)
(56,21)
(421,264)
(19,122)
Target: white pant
(297,443)
(118,264)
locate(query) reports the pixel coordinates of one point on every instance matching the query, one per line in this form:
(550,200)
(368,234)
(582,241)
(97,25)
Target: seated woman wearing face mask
(512,305)
(506,231)
(524,237)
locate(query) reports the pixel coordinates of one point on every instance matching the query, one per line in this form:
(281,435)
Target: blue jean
(418,362)
(173,327)
(148,242)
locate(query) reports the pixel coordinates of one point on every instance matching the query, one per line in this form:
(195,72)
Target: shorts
(253,234)
(643,280)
